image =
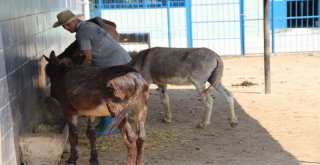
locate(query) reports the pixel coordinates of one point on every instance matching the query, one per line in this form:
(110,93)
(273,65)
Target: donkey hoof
(140,163)
(94,162)
(71,162)
(233,124)
(165,120)
(201,125)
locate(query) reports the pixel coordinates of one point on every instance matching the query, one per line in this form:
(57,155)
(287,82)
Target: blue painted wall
(279,14)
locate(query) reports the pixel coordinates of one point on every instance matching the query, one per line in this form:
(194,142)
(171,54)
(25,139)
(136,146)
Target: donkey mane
(67,62)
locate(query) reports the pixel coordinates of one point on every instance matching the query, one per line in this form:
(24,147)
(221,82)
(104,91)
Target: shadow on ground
(180,142)
(248,143)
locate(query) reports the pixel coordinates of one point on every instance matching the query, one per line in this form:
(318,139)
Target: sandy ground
(281,128)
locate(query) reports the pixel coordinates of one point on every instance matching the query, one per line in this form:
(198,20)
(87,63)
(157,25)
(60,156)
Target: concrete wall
(26,34)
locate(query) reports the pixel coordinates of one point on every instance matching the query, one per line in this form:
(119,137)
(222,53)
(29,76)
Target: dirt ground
(281,128)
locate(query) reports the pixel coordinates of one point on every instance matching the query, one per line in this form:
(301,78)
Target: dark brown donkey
(117,91)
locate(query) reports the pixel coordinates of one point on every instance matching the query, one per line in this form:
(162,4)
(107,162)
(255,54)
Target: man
(97,47)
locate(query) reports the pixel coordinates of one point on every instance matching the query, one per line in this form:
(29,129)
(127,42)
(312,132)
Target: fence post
(100,3)
(86,9)
(169,23)
(189,23)
(272,27)
(266,29)
(318,14)
(242,37)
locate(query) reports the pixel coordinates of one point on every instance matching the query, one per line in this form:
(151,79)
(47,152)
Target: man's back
(105,50)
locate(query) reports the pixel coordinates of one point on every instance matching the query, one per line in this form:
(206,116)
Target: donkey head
(56,67)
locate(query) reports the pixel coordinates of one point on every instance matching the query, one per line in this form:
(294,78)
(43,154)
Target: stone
(42,148)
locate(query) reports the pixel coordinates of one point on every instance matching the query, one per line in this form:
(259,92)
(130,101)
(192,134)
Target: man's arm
(87,57)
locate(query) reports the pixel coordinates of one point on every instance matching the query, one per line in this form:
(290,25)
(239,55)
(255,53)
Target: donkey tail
(119,118)
(216,74)
(140,88)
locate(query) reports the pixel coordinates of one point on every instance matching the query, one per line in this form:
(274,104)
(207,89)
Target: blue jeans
(102,127)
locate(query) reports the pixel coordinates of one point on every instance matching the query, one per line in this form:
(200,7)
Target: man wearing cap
(97,46)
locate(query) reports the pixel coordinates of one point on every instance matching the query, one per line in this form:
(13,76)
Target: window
(302,13)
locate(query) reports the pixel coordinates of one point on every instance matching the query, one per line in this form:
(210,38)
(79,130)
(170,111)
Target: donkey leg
(73,139)
(91,135)
(141,144)
(208,101)
(165,102)
(129,138)
(229,97)
(141,136)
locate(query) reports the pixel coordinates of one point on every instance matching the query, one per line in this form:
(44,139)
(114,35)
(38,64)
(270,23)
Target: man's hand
(87,58)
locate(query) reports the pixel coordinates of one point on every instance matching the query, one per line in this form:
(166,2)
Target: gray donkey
(184,66)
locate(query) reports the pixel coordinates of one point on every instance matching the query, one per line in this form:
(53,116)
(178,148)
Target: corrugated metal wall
(26,34)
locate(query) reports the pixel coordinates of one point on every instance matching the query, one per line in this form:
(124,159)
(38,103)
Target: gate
(229,27)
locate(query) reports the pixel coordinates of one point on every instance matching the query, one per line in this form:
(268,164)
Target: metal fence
(229,27)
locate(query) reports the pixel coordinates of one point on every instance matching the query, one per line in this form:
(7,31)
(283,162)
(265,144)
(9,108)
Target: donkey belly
(100,110)
(173,81)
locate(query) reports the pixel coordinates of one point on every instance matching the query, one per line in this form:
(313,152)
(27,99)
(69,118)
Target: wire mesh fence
(229,27)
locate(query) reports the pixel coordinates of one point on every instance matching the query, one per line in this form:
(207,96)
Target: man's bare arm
(88,57)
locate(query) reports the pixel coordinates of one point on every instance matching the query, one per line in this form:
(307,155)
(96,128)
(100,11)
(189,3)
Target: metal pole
(86,9)
(169,23)
(272,26)
(318,14)
(189,23)
(100,3)
(266,30)
(242,36)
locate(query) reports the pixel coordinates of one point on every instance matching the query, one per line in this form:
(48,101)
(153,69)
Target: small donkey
(92,91)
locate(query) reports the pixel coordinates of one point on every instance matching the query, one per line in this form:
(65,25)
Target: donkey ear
(53,58)
(52,55)
(45,57)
